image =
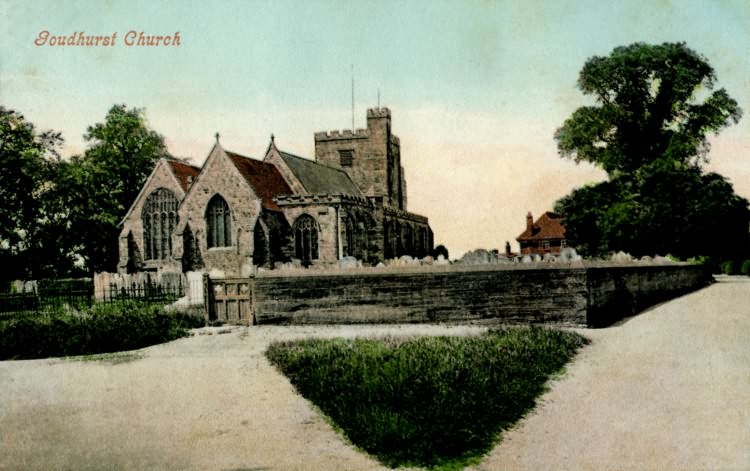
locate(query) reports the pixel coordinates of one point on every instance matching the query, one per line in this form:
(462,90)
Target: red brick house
(545,235)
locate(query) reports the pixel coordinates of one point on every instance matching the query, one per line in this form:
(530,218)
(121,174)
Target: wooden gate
(230,300)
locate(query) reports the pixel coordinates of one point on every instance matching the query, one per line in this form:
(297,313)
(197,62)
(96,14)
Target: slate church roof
(319,179)
(263,178)
(548,226)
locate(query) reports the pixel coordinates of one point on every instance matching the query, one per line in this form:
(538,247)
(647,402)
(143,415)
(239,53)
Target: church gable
(219,176)
(222,207)
(273,157)
(145,239)
(164,176)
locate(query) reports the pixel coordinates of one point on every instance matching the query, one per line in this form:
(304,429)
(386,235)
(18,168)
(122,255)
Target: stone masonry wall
(615,294)
(572,295)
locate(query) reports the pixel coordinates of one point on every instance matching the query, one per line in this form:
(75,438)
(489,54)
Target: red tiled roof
(184,172)
(548,226)
(264,178)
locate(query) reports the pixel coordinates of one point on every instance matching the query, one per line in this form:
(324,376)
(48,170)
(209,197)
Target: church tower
(371,157)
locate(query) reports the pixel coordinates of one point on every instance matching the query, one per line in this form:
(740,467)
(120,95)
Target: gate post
(208,297)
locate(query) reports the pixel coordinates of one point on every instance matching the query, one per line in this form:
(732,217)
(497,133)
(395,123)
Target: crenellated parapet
(342,134)
(394,212)
(379,113)
(293,200)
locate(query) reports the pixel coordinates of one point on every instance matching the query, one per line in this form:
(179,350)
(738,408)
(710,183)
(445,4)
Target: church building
(237,213)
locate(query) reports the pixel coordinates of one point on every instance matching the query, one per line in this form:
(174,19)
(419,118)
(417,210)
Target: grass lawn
(436,402)
(101,328)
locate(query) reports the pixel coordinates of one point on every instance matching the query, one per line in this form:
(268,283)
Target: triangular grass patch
(436,402)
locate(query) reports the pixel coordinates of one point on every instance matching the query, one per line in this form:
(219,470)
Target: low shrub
(729,267)
(101,328)
(426,401)
(711,263)
(745,268)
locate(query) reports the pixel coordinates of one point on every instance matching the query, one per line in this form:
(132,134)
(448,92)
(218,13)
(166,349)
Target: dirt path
(668,389)
(209,402)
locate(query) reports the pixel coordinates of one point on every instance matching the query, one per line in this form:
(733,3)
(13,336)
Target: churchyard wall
(571,294)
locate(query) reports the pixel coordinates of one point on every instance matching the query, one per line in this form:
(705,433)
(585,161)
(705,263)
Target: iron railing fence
(49,296)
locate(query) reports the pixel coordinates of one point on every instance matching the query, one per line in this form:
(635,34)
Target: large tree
(655,107)
(30,217)
(102,183)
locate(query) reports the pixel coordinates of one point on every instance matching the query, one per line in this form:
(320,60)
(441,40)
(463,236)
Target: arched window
(306,239)
(192,259)
(360,239)
(350,248)
(218,223)
(261,250)
(388,251)
(398,235)
(408,240)
(418,242)
(159,216)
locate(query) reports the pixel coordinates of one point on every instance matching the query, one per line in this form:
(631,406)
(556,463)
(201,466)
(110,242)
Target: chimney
(529,222)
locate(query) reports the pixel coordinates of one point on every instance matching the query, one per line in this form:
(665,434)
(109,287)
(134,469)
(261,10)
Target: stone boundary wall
(578,294)
(615,293)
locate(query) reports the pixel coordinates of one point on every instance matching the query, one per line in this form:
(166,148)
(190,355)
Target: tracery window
(387,246)
(349,237)
(399,236)
(306,238)
(159,217)
(218,223)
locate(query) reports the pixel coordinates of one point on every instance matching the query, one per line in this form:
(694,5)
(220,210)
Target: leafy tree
(654,109)
(647,110)
(30,218)
(102,183)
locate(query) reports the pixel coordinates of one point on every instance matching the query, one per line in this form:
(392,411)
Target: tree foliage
(29,216)
(648,109)
(654,110)
(55,210)
(102,183)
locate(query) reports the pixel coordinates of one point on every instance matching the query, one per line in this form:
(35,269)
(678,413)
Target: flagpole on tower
(352,98)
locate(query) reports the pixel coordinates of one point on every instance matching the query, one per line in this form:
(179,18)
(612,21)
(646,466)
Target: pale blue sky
(476,88)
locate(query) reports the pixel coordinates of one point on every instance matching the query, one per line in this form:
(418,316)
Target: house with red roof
(545,235)
(236,213)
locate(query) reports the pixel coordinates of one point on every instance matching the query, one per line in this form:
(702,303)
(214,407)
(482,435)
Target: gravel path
(668,389)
